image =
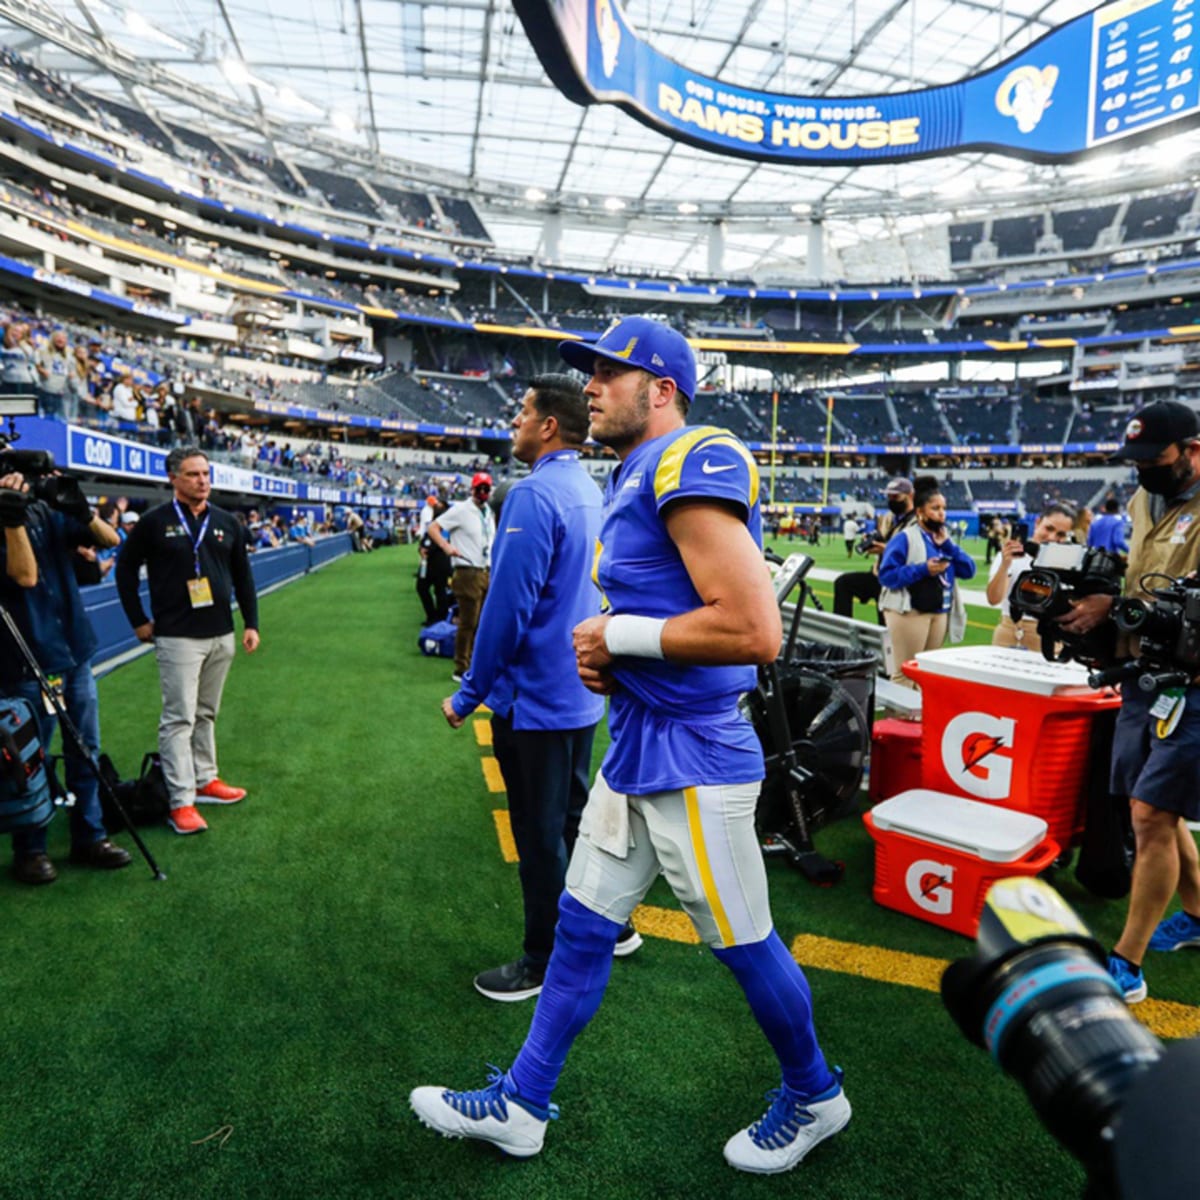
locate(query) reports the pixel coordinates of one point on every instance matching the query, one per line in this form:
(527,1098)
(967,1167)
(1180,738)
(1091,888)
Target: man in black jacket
(196,560)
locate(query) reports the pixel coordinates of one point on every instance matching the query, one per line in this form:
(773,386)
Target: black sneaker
(628,940)
(513,981)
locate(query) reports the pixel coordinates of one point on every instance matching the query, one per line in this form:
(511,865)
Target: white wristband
(640,637)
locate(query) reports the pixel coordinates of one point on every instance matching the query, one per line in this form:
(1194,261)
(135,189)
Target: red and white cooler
(1007,727)
(937,855)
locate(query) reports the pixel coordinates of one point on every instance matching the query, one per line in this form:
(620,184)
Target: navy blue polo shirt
(50,615)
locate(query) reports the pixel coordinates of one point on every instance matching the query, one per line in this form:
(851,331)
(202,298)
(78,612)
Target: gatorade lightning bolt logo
(977,747)
(930,885)
(977,754)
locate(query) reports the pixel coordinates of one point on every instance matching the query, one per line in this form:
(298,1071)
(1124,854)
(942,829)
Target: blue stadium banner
(1115,73)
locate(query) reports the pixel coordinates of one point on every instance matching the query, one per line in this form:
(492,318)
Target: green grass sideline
(308,961)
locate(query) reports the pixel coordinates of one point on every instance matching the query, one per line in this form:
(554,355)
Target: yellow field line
(483,732)
(504,835)
(491,774)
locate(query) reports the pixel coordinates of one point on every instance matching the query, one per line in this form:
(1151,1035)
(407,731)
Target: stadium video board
(1115,73)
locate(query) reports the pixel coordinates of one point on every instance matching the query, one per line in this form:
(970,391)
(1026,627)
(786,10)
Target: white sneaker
(788,1130)
(628,940)
(488,1115)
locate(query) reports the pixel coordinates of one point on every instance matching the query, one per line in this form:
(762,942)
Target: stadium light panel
(687,208)
(614,203)
(342,122)
(534,195)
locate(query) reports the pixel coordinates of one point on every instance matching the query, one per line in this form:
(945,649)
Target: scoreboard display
(1116,73)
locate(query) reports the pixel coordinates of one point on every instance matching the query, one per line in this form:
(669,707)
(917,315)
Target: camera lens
(1036,591)
(1130,614)
(1057,1026)
(1037,995)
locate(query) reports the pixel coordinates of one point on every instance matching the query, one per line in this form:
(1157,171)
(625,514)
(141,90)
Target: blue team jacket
(523,663)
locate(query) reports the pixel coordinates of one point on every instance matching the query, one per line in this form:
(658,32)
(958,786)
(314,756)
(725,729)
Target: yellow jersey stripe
(669,474)
(704,868)
(670,465)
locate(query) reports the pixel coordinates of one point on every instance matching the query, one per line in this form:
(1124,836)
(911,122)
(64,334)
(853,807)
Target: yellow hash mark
(1164,1018)
(491,774)
(504,835)
(667,923)
(483,732)
(869,962)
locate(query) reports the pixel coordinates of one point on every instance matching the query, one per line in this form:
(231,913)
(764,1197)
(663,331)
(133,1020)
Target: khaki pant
(1012,633)
(469,585)
(913,632)
(192,674)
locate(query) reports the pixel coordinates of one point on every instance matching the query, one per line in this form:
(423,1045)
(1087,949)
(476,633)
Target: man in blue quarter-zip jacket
(522,665)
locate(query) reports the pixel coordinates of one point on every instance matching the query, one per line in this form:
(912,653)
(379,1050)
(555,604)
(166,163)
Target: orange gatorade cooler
(1008,727)
(937,855)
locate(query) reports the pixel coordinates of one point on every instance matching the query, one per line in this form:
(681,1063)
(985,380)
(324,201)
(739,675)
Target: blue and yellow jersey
(672,725)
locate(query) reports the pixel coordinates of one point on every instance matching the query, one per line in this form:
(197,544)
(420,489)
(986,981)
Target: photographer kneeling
(1156,751)
(48,611)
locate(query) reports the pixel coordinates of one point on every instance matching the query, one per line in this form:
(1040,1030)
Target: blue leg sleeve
(781,1002)
(576,977)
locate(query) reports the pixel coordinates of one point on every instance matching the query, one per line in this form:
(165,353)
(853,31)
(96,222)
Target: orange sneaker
(186,820)
(217,792)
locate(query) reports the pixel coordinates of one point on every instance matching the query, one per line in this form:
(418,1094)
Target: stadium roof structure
(450,96)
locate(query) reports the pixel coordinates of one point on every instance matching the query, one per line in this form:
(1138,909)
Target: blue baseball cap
(639,342)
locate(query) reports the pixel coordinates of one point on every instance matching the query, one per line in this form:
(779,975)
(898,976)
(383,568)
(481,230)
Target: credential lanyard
(188,530)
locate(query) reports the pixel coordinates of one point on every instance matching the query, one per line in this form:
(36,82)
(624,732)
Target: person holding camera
(38,588)
(1054,525)
(1156,748)
(919,573)
(196,561)
(863,586)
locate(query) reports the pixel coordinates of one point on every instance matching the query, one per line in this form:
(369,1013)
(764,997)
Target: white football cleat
(789,1129)
(489,1115)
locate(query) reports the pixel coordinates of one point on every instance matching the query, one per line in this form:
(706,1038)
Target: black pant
(433,588)
(546,776)
(862,586)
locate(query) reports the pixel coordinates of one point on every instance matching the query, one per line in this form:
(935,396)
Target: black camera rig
(1061,573)
(46,482)
(1168,629)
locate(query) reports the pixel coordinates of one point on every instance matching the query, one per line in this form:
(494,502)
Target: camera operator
(46,606)
(1156,758)
(863,586)
(1054,525)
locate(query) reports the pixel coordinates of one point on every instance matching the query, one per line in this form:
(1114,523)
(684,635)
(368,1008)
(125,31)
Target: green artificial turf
(309,960)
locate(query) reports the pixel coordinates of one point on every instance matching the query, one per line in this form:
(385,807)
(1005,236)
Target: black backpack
(144,799)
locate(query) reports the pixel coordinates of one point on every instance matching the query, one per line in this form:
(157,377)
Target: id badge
(200,592)
(1168,708)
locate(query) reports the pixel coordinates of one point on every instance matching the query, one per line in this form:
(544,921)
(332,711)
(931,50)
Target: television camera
(1168,629)
(1060,573)
(36,466)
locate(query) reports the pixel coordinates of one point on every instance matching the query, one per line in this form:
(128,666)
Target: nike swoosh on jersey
(709,469)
